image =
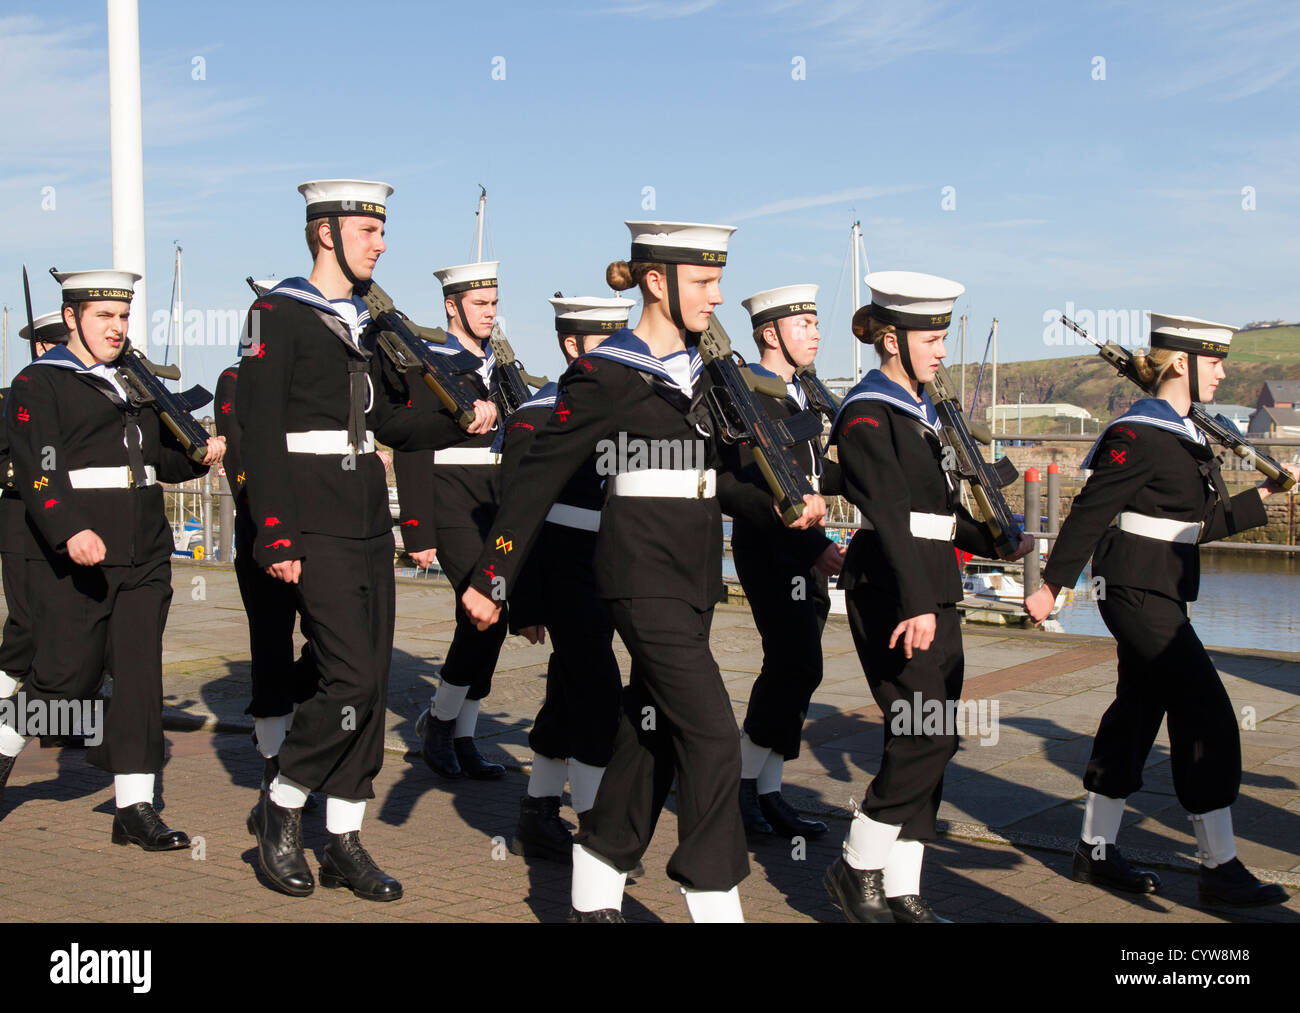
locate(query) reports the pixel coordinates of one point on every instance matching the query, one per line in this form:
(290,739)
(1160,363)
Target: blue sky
(1115,193)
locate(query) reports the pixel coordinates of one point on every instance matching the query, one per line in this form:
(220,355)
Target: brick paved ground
(1011,808)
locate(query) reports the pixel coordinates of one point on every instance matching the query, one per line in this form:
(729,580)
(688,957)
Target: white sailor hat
(1190,334)
(464,277)
(345,197)
(590,314)
(775,303)
(680,242)
(50,328)
(912,301)
(84,286)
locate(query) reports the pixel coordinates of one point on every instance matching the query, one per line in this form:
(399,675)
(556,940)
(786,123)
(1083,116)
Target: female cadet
(635,400)
(573,734)
(902,586)
(1153,469)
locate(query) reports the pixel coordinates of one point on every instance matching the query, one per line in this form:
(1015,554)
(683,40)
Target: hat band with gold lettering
(1182,343)
(92,294)
(793,309)
(346,209)
(651,254)
(588,326)
(455,288)
(911,321)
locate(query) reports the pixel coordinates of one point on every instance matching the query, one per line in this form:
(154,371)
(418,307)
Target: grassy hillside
(1087,381)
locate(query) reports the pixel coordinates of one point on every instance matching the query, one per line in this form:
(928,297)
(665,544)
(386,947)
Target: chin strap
(1193,378)
(336,233)
(780,341)
(674,302)
(905,354)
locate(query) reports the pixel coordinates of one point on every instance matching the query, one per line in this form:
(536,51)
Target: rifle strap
(1210,470)
(131,437)
(358,388)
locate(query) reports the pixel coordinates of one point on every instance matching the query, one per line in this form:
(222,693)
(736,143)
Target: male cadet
(309,387)
(783,573)
(573,734)
(459,496)
(87,462)
(17,646)
(279,684)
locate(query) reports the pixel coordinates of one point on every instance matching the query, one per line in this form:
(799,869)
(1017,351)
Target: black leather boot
(6,768)
(605,914)
(344,862)
(540,832)
(279,848)
(750,811)
(859,894)
(785,821)
(473,764)
(437,748)
(140,824)
(1233,884)
(1111,870)
(911,909)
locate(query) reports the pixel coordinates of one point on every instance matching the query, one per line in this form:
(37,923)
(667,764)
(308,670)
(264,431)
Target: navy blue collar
(625,347)
(793,388)
(876,386)
(1150,411)
(305,292)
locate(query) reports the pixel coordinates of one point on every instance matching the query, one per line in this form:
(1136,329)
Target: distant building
(1012,411)
(1275,422)
(1239,414)
(1279,394)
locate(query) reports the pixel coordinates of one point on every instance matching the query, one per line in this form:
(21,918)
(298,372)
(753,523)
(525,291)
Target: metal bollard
(226,519)
(1053,499)
(207,503)
(1033,525)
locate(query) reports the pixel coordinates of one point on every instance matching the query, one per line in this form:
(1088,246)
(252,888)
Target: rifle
(743,419)
(510,383)
(820,399)
(404,343)
(1219,428)
(140,377)
(986,481)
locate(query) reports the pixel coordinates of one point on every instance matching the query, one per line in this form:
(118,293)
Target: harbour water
(1246,600)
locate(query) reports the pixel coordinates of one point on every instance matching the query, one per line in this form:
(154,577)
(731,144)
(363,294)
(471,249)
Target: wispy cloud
(1227,52)
(820,200)
(658,11)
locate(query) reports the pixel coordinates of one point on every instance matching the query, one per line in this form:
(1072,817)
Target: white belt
(666,482)
(574,517)
(1161,528)
(326,442)
(109,478)
(466,455)
(940,527)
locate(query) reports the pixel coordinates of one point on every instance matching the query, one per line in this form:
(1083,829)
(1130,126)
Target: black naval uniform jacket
(1147,462)
(13,521)
(444,496)
(559,544)
(227,420)
(789,549)
(294,378)
(63,418)
(890,459)
(647,547)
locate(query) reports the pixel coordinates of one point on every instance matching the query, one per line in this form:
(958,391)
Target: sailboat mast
(479,217)
(855,240)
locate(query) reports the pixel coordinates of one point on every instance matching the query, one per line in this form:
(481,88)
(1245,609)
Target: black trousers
(1163,669)
(18,646)
(472,656)
(677,720)
(346,597)
(909,786)
(580,715)
(790,606)
(77,612)
(272,608)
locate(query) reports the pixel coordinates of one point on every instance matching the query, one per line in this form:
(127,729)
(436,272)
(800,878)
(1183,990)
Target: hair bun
(618,276)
